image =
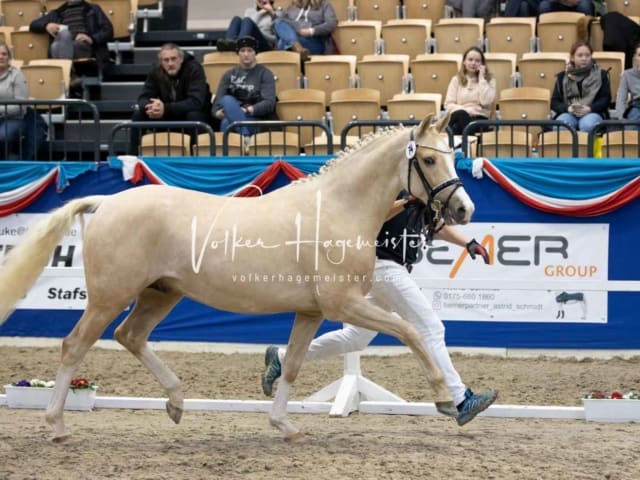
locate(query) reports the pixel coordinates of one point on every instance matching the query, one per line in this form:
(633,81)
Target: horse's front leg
(304,328)
(362,313)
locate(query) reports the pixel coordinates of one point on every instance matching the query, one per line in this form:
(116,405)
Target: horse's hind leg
(87,331)
(304,328)
(151,307)
(362,313)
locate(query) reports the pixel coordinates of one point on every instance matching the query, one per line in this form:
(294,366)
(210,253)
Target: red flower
(597,394)
(616,395)
(80,383)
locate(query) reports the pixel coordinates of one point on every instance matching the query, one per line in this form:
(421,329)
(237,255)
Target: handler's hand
(474,248)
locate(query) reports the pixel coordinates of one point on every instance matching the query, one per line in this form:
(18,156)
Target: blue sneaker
(473,404)
(272,370)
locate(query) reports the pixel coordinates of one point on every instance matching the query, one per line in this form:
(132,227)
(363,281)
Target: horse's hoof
(297,437)
(175,413)
(61,438)
(447,408)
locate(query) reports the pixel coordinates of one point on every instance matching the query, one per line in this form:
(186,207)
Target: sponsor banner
(540,272)
(62,285)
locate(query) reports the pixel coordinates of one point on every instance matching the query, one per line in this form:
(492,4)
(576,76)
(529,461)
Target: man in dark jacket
(79,31)
(176,89)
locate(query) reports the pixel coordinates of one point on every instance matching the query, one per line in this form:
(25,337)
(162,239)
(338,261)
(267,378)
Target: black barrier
(41,125)
(620,138)
(190,129)
(532,129)
(287,128)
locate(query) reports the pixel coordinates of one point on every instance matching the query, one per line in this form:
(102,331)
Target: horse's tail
(26,261)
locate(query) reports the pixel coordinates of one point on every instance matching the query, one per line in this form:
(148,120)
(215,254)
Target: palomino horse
(308,248)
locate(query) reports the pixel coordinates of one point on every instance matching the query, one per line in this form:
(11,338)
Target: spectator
(582,93)
(306,26)
(246,92)
(521,8)
(473,8)
(582,6)
(628,95)
(175,89)
(471,92)
(22,130)
(393,289)
(79,31)
(257,23)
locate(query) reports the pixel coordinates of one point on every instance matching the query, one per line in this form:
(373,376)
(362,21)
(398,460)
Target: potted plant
(614,407)
(36,393)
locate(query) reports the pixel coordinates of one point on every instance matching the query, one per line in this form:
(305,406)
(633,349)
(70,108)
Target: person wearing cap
(175,89)
(245,92)
(257,23)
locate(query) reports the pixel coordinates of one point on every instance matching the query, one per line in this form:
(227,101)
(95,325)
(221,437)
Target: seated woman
(628,95)
(582,93)
(306,26)
(257,23)
(471,92)
(15,124)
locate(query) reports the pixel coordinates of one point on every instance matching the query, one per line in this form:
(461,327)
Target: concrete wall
(214,14)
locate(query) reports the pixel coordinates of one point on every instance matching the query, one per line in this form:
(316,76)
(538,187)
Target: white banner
(540,272)
(62,285)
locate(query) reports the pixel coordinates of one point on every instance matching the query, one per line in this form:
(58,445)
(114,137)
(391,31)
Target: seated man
(176,89)
(80,32)
(246,92)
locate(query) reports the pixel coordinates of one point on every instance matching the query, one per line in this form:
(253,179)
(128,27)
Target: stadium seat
(20,13)
(358,37)
(29,46)
(274,143)
(330,72)
(285,66)
(428,9)
(414,106)
(456,35)
(431,73)
(302,104)
(386,73)
(381,10)
(511,35)
(559,143)
(165,144)
(540,69)
(351,104)
(406,37)
(558,31)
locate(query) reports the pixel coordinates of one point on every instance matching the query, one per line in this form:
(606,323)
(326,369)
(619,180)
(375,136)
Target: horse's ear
(442,123)
(424,125)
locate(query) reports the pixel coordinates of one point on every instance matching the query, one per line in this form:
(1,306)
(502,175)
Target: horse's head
(431,174)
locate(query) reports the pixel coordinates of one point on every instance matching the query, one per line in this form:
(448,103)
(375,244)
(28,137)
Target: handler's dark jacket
(400,238)
(187,92)
(98,26)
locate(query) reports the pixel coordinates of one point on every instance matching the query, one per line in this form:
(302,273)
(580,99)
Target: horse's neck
(368,178)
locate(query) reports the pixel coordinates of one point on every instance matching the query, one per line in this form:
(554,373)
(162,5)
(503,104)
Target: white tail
(24,263)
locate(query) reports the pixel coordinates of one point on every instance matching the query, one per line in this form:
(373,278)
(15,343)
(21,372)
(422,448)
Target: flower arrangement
(76,384)
(598,395)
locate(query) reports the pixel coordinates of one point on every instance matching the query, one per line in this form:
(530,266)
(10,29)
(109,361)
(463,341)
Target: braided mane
(350,151)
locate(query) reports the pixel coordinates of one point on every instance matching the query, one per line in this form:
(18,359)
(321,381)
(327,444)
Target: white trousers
(393,289)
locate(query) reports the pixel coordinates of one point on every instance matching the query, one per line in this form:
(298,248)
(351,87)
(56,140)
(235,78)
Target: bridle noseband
(435,207)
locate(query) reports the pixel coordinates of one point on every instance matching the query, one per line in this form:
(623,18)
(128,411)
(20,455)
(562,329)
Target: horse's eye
(429,160)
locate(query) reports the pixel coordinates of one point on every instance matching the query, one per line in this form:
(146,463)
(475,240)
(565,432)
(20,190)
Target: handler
(393,289)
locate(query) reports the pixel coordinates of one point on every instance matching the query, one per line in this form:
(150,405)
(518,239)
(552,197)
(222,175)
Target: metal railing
(532,128)
(135,130)
(58,112)
(627,138)
(287,127)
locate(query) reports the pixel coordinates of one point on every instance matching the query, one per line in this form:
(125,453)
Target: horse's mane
(350,151)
